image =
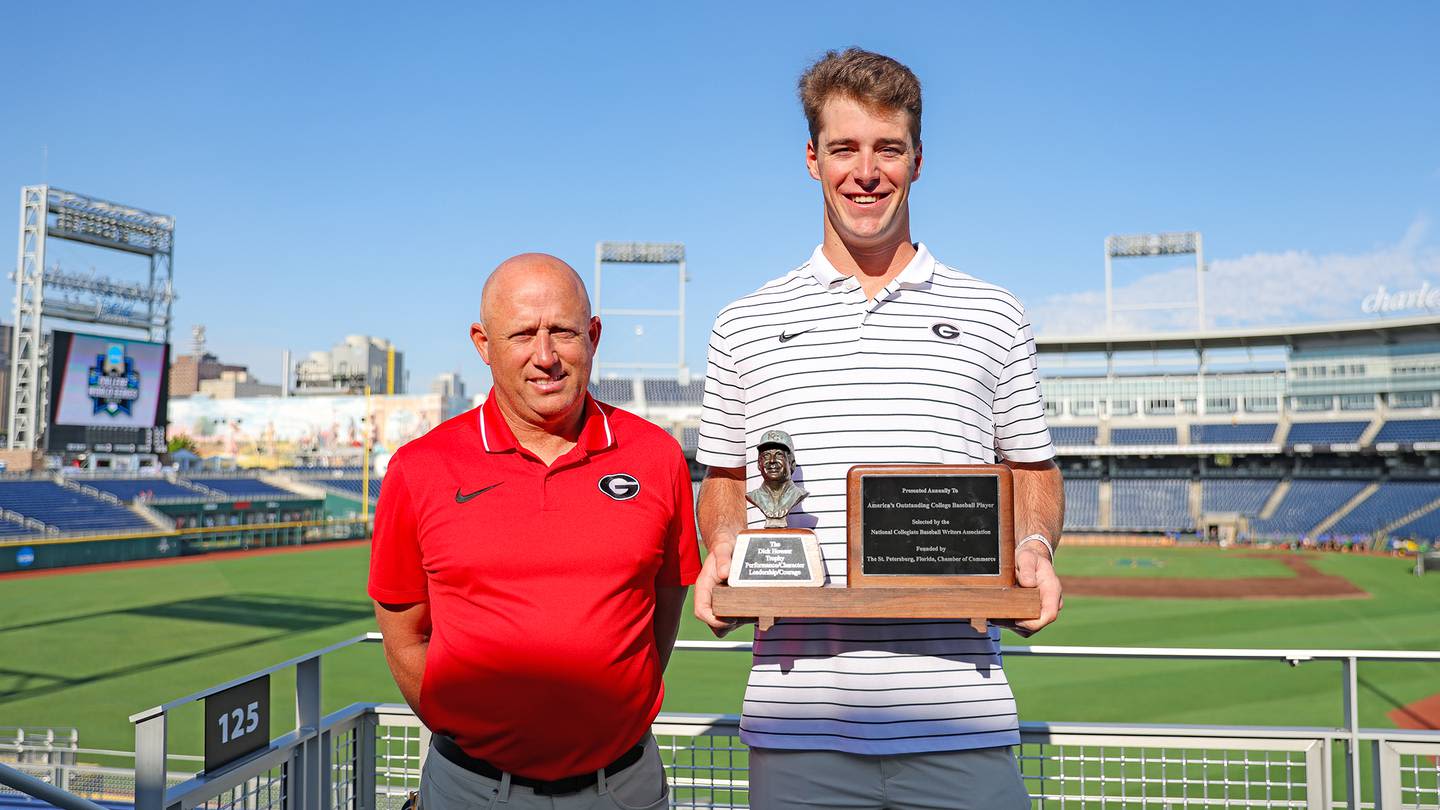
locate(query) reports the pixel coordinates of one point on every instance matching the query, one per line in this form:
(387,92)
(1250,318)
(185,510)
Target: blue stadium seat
(1409,431)
(1425,527)
(1074,436)
(1082,503)
(612,391)
(67,509)
(241,487)
(690,440)
(1135,436)
(1245,496)
(127,489)
(1325,432)
(1392,501)
(1233,434)
(670,392)
(351,486)
(1151,504)
(1306,504)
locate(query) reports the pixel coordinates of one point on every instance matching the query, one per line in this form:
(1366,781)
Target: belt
(452,751)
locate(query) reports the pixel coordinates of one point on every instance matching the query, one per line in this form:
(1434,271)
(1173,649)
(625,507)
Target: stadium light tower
(1182,243)
(607,253)
(50,213)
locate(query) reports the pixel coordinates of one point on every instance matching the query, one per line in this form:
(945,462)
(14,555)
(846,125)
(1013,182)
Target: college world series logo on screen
(114,382)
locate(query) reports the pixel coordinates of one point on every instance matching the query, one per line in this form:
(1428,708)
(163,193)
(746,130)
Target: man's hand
(1034,569)
(715,570)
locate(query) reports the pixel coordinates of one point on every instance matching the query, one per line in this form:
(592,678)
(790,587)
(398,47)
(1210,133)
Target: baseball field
(88,648)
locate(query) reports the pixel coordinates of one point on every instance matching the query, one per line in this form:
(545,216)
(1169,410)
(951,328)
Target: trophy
(776,556)
(923,541)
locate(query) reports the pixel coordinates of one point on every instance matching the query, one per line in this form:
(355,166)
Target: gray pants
(981,779)
(447,786)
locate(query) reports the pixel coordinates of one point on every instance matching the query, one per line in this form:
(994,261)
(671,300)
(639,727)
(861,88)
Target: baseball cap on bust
(779,437)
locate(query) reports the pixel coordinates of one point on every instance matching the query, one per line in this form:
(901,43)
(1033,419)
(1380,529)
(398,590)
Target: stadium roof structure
(1370,332)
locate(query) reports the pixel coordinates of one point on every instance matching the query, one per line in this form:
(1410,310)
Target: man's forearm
(406,637)
(1039,500)
(721,507)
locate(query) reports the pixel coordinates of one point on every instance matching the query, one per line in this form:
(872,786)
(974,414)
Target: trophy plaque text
(777,558)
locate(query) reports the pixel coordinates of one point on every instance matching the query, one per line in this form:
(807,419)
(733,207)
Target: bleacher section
(66,509)
(1306,504)
(351,486)
(242,487)
(1393,500)
(613,392)
(1325,432)
(690,440)
(1138,436)
(1245,496)
(1409,431)
(670,392)
(1426,526)
(1073,436)
(1082,503)
(128,489)
(1262,433)
(12,529)
(1157,504)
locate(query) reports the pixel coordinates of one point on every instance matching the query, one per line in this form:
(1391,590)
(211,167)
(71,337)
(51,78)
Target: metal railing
(368,756)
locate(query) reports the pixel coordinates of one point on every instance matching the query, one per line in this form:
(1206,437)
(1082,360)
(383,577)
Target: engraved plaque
(930,525)
(777,558)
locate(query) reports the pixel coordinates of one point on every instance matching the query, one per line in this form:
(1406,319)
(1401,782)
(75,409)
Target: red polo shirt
(541,582)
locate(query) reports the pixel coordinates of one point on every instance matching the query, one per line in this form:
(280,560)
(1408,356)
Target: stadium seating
(670,392)
(127,489)
(690,440)
(1307,503)
(67,509)
(351,486)
(1082,503)
(1425,527)
(1325,432)
(1135,436)
(241,487)
(1233,434)
(613,392)
(1151,503)
(12,529)
(1409,431)
(1074,436)
(1392,501)
(1245,496)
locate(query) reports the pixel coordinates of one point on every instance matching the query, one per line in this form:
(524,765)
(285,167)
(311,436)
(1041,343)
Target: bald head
(531,272)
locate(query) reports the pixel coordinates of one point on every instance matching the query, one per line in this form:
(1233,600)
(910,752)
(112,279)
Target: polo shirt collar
(497,437)
(918,272)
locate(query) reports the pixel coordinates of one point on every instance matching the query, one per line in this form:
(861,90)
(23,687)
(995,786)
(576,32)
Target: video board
(107,394)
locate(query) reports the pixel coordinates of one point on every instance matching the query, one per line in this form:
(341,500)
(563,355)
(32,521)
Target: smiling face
(538,337)
(775,463)
(865,161)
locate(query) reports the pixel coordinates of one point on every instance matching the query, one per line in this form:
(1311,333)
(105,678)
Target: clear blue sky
(347,168)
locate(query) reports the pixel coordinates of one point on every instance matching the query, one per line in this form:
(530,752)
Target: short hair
(872,79)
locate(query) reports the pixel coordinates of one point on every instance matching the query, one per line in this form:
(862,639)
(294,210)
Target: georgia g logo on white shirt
(620,486)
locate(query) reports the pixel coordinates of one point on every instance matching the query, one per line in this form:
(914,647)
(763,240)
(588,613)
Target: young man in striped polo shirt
(874,352)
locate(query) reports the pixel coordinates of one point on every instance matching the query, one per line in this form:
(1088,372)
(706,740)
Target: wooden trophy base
(765,604)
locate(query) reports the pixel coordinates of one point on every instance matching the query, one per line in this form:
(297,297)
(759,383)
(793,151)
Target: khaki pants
(980,779)
(447,786)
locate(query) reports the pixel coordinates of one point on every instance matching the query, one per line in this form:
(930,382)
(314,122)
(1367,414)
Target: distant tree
(178,443)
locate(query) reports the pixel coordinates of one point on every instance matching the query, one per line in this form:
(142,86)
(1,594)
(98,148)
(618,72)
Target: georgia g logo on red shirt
(620,486)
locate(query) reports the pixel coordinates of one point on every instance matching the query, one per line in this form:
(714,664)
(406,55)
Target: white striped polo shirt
(938,368)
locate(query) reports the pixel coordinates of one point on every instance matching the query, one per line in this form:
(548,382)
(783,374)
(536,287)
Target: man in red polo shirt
(529,565)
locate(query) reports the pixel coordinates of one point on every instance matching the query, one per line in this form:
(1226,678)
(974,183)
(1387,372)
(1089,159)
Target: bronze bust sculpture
(777,494)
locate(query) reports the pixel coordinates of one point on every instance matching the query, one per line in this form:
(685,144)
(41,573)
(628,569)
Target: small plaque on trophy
(777,555)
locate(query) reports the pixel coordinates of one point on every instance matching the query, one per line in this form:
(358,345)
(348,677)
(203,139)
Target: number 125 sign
(237,722)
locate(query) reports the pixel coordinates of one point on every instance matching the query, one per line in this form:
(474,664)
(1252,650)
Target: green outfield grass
(1168,562)
(88,649)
